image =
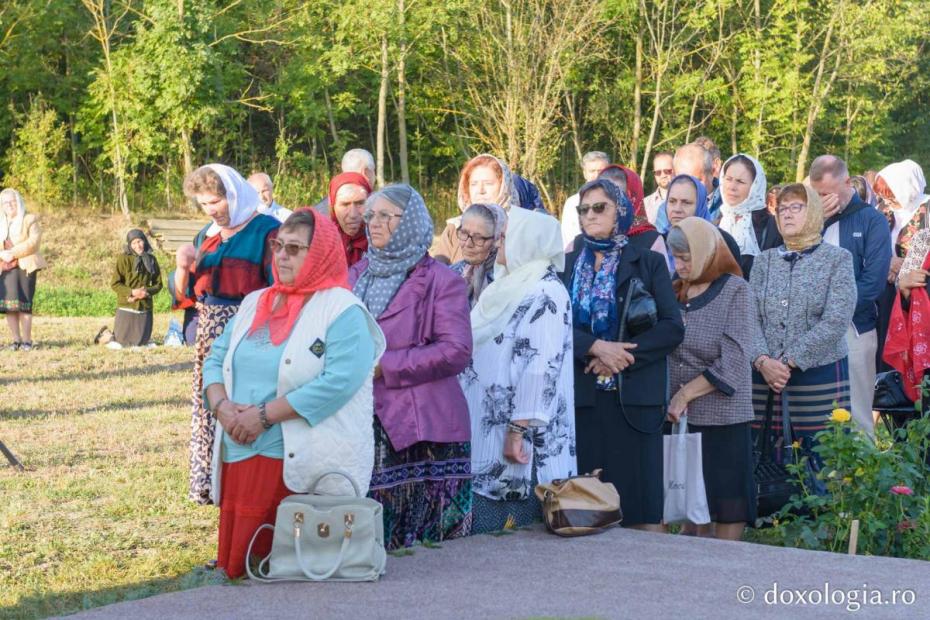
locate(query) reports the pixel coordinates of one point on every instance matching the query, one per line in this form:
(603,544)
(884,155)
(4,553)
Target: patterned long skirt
(210,324)
(812,395)
(425,490)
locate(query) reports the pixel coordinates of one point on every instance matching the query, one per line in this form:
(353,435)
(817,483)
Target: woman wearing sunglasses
(620,377)
(422,422)
(479,235)
(294,367)
(805,296)
(233,259)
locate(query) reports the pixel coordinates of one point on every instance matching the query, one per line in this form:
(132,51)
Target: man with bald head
(859,228)
(263,185)
(354,160)
(697,161)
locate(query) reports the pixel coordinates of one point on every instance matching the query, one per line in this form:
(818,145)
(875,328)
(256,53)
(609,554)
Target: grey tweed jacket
(803,311)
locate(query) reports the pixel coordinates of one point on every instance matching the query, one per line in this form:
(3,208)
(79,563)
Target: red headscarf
(907,346)
(355,246)
(324,267)
(634,191)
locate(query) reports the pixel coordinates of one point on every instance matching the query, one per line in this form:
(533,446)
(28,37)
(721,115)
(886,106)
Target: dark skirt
(885,303)
(425,490)
(190,326)
(250,493)
(17,289)
(132,328)
(812,396)
(631,459)
(728,472)
(491,515)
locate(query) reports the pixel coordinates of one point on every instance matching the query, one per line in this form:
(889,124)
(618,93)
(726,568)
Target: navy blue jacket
(864,232)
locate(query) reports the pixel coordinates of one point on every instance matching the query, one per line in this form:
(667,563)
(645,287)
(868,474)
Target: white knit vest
(344,440)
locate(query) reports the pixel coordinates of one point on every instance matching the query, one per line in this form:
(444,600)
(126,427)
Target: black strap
(764,446)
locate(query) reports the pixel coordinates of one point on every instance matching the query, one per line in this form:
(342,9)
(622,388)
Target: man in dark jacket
(858,227)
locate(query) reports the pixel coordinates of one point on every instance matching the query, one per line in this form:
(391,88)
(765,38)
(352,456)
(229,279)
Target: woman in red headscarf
(294,366)
(347,194)
(642,234)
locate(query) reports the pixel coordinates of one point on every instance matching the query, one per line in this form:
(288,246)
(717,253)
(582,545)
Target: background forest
(109,103)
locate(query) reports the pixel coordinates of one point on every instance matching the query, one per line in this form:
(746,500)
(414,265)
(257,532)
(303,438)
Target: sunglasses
(597,207)
(663,173)
(292,249)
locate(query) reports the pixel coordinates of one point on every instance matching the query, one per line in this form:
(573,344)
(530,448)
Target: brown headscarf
(810,234)
(710,256)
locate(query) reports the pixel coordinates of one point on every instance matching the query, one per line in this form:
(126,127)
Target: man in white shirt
(263,185)
(663,171)
(591,165)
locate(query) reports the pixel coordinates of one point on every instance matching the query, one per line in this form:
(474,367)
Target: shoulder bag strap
(764,443)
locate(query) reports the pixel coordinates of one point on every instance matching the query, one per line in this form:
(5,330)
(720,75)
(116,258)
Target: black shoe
(15,345)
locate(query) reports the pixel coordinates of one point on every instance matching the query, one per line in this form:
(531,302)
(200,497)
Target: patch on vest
(318,348)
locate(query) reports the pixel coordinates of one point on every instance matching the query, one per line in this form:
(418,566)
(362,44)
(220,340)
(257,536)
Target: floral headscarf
(737,219)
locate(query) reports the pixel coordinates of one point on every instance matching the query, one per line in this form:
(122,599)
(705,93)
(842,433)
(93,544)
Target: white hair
(594,156)
(358,160)
(263,176)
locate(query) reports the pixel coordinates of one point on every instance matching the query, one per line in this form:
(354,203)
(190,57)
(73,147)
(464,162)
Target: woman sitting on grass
(295,366)
(136,280)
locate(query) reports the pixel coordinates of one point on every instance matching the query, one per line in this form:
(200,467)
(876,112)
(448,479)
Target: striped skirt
(812,396)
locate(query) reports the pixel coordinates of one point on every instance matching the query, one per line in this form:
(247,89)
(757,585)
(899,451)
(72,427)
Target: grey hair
(398,194)
(486,214)
(691,149)
(261,175)
(594,156)
(617,176)
(677,241)
(358,160)
(708,145)
(828,164)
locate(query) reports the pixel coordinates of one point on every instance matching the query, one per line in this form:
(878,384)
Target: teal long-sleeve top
(350,356)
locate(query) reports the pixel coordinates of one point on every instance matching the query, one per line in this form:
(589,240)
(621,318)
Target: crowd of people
(452,373)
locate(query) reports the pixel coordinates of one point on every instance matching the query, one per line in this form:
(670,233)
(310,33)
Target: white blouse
(525,373)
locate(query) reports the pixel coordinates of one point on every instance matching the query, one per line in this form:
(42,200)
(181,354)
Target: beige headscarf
(810,234)
(710,256)
(12,228)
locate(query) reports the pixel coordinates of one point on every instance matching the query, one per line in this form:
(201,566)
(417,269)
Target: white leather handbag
(324,538)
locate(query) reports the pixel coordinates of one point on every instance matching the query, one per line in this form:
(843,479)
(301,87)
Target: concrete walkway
(617,574)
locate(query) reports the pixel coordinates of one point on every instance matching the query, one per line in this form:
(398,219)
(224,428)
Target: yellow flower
(840,415)
(847,480)
(796,444)
(860,471)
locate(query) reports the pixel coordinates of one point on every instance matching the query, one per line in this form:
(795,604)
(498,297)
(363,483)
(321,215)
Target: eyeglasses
(794,207)
(292,249)
(379,216)
(476,240)
(663,173)
(597,207)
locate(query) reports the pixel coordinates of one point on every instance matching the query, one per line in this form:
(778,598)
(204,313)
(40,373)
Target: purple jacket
(428,331)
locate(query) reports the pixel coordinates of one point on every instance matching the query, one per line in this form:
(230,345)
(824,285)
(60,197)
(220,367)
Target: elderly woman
(745,217)
(900,189)
(233,260)
(136,280)
(485,179)
(479,236)
(620,368)
(422,464)
(294,367)
(20,262)
(805,296)
(347,194)
(687,197)
(519,385)
(641,234)
(710,375)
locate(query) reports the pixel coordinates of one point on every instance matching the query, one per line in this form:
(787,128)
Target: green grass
(101,513)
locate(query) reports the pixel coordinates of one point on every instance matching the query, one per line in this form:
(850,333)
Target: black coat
(767,236)
(645,382)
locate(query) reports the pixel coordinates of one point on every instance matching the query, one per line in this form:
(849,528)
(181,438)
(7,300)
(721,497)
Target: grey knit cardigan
(802,312)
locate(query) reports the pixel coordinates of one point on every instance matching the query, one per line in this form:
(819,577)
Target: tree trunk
(818,95)
(187,152)
(637,103)
(573,120)
(329,116)
(401,103)
(657,103)
(382,111)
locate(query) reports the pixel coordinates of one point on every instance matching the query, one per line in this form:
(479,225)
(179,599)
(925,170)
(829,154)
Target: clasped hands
(137,294)
(241,422)
(775,373)
(609,358)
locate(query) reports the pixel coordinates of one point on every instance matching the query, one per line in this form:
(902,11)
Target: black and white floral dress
(525,373)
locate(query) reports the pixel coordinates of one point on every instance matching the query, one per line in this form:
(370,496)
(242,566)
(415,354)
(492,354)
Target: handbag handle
(335,472)
(248,554)
(346,536)
(681,426)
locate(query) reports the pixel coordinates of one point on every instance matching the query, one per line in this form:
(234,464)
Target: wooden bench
(172,234)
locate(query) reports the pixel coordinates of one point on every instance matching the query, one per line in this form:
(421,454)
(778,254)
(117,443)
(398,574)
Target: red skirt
(249,496)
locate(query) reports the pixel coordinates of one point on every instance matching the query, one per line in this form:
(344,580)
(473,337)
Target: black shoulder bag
(638,316)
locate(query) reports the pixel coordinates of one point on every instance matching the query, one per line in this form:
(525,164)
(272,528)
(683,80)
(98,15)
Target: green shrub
(35,162)
(61,301)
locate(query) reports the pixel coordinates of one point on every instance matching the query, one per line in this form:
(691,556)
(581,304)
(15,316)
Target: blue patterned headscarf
(594,294)
(388,266)
(701,209)
(528,194)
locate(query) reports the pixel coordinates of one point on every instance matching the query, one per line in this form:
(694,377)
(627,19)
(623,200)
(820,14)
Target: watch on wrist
(263,416)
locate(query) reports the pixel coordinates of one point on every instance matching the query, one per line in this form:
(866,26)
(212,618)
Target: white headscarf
(737,219)
(532,244)
(242,198)
(906,181)
(12,228)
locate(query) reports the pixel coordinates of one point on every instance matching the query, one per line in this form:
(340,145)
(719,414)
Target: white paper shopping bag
(685,496)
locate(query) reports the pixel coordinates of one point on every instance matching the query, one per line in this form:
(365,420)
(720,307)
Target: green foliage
(35,161)
(62,301)
(885,487)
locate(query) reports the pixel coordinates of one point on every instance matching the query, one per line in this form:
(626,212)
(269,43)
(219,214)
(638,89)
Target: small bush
(35,162)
